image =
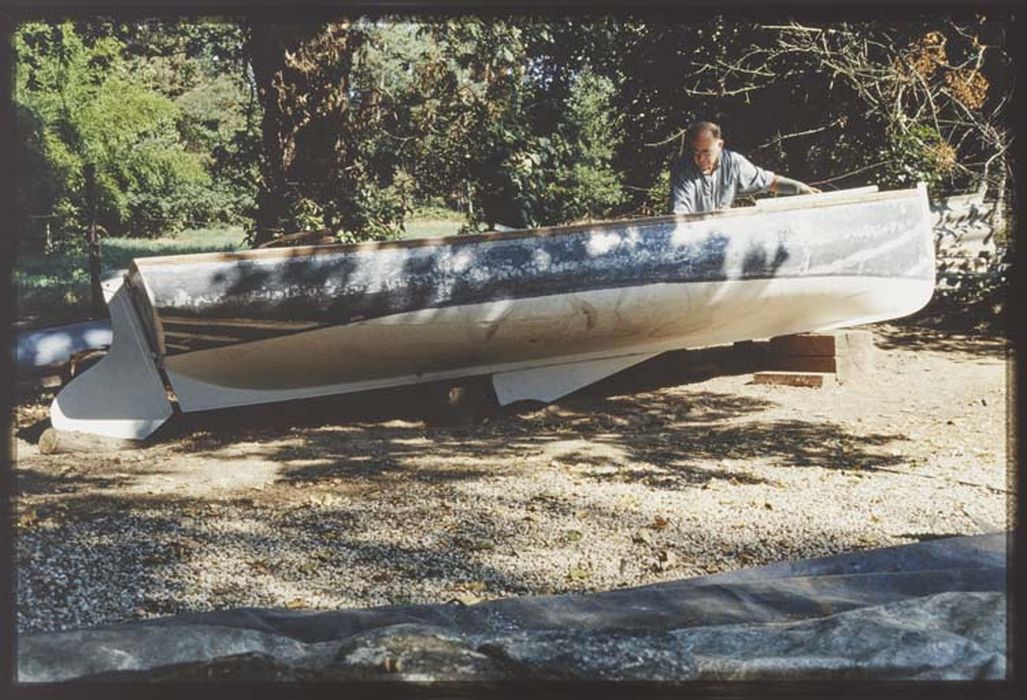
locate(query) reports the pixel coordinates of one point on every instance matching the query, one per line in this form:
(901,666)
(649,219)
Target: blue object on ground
(51,348)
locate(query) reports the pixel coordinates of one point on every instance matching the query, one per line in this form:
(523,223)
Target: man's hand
(786,185)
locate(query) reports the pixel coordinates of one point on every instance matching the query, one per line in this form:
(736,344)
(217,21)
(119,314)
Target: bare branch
(849,174)
(779,139)
(664,142)
(695,92)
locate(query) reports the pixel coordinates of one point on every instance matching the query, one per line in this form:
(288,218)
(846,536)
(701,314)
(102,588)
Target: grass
(54,288)
(431,228)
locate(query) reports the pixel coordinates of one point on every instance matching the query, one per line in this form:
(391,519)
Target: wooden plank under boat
(543,311)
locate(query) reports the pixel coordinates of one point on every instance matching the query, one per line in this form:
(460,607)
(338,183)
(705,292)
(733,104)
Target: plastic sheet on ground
(931,610)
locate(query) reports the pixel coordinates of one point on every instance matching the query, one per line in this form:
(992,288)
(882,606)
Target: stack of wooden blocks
(813,359)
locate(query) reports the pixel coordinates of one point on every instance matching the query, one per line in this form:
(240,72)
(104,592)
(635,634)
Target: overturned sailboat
(543,312)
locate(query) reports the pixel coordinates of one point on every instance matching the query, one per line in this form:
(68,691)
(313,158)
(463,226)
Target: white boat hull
(543,313)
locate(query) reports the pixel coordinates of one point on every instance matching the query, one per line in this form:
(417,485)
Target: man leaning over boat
(711,176)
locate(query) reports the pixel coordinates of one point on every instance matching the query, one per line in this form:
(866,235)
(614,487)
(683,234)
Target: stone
(413,652)
(632,655)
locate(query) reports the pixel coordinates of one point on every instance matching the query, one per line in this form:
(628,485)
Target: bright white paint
(122,396)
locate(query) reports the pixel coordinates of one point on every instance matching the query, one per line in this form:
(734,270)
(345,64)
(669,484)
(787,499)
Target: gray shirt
(691,190)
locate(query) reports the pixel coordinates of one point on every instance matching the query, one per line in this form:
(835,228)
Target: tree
(201,67)
(69,93)
(529,136)
(326,162)
(894,103)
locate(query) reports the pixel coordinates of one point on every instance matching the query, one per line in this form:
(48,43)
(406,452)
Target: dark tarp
(931,610)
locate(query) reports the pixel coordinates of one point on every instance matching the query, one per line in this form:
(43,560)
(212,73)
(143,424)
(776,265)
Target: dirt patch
(666,471)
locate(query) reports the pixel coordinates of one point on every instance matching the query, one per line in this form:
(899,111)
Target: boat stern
(123,395)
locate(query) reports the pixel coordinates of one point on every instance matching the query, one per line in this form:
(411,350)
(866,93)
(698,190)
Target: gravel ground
(662,473)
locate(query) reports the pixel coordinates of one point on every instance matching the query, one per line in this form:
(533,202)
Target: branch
(667,140)
(930,100)
(768,144)
(695,92)
(848,174)
(1000,152)
(735,68)
(799,28)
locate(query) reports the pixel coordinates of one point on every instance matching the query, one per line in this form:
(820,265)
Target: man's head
(704,137)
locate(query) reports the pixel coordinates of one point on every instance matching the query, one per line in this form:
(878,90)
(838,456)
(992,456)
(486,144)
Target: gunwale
(468,239)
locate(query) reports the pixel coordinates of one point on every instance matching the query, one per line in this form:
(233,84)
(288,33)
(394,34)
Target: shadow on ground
(613,423)
(669,441)
(909,336)
(616,430)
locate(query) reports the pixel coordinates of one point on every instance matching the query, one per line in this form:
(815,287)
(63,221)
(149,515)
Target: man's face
(706,151)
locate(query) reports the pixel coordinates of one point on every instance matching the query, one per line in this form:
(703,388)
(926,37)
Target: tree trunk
(93,241)
(266,49)
(302,76)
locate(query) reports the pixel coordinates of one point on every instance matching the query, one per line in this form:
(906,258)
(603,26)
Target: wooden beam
(807,379)
(54,441)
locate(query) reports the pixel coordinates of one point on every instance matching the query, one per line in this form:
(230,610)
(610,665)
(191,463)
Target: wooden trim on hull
(860,195)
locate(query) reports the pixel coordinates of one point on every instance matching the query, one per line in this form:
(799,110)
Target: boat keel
(551,382)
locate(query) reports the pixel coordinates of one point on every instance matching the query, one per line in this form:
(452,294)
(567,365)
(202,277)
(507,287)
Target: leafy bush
(79,103)
(919,155)
(585,185)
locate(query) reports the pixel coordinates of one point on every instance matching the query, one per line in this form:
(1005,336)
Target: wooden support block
(751,351)
(847,354)
(809,379)
(805,363)
(835,343)
(846,367)
(754,347)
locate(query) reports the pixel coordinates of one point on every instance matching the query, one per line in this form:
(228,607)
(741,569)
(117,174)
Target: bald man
(712,176)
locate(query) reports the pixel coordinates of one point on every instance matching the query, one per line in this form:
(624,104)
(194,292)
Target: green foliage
(218,123)
(918,155)
(518,129)
(435,208)
(493,154)
(585,185)
(80,104)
